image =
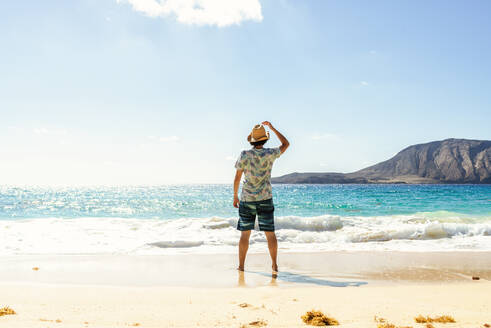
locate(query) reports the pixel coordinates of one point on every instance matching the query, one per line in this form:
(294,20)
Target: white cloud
(364,83)
(40,131)
(201,12)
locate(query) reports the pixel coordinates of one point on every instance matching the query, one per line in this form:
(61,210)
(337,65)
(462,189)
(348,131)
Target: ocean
(201,219)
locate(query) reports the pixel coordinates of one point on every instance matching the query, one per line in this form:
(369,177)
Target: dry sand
(230,299)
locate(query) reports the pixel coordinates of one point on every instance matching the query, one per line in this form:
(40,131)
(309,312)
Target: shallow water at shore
(335,269)
(200,219)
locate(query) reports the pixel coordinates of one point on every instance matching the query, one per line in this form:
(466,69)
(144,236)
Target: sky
(112,92)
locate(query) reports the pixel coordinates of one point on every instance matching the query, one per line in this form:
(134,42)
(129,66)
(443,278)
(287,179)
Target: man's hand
(236,201)
(268,124)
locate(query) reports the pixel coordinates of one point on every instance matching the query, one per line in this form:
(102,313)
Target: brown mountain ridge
(446,161)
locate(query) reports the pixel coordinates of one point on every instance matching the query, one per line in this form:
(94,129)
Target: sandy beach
(245,163)
(206,290)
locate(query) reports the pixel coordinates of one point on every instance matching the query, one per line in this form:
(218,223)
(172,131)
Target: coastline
(205,290)
(219,270)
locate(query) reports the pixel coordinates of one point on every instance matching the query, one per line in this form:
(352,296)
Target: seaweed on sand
(382,323)
(317,318)
(257,323)
(379,319)
(47,320)
(439,319)
(391,325)
(6,311)
(386,325)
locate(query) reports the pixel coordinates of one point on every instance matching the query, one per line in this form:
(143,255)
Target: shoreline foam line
(218,235)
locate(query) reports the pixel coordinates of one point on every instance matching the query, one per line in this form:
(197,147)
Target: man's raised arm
(284,142)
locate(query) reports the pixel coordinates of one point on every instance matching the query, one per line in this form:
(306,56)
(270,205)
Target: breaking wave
(431,231)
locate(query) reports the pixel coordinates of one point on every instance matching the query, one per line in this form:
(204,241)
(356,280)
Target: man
(256,197)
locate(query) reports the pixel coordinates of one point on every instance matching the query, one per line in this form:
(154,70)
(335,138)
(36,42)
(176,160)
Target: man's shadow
(301,279)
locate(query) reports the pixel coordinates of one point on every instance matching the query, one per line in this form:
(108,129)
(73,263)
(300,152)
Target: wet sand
(218,270)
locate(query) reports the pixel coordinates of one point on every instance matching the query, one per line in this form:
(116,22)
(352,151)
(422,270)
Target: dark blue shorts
(264,209)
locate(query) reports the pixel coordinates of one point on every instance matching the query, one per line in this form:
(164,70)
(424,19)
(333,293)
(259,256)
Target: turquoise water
(200,201)
(201,219)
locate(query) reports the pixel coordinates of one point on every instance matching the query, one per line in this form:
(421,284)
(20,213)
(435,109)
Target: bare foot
(275,268)
(241,281)
(240,268)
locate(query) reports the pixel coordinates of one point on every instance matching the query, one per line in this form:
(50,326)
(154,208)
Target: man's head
(258,143)
(258,136)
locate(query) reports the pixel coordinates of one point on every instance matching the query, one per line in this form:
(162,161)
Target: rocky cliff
(447,161)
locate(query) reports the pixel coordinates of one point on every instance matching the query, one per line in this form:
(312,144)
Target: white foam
(216,235)
(176,243)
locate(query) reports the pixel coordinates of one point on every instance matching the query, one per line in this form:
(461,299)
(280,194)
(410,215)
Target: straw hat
(258,134)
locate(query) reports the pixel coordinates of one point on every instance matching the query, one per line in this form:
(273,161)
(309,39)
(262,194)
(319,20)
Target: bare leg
(273,248)
(243,247)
